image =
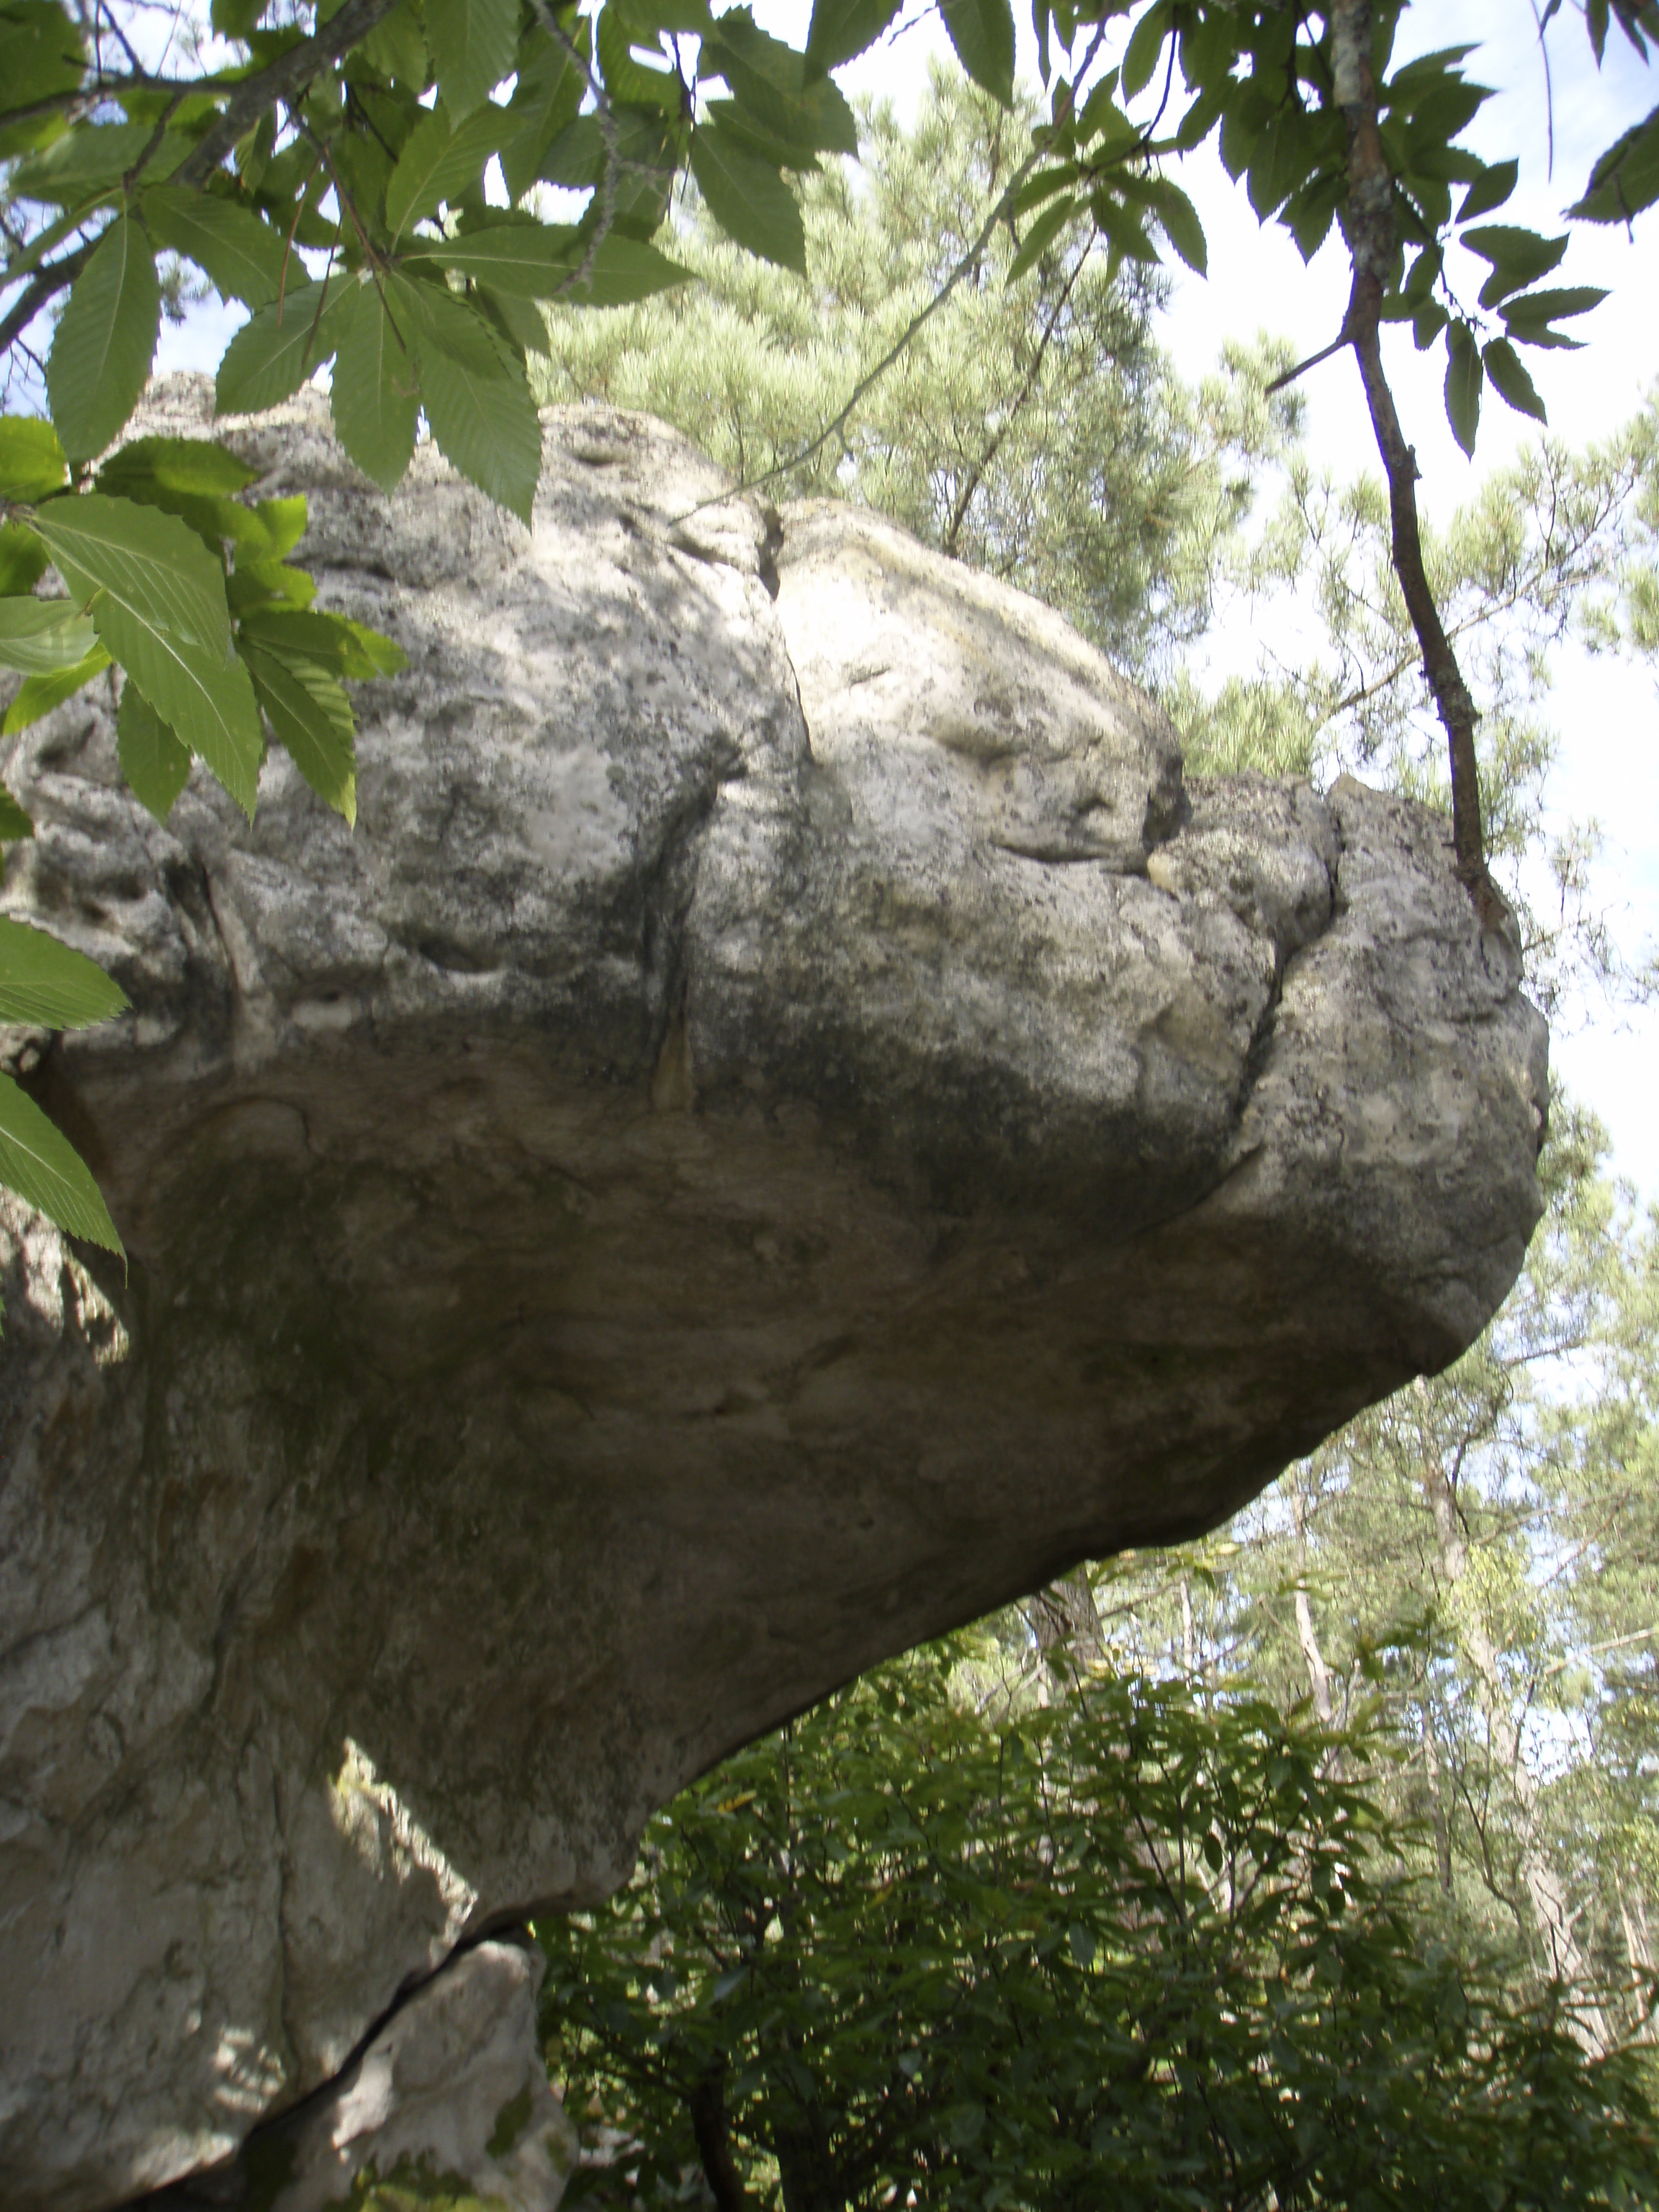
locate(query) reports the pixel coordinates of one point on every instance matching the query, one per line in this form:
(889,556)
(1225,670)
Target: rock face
(786,1125)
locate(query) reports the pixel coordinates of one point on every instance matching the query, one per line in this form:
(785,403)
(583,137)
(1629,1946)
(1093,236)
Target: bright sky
(1608,714)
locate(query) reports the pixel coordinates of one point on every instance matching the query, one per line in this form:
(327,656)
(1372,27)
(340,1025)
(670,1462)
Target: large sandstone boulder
(787,1124)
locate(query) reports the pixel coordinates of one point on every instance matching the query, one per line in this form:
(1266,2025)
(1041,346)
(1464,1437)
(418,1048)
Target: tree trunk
(1545,1893)
(1066,1622)
(1319,1676)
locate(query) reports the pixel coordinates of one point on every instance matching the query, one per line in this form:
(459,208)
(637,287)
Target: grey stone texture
(788,1122)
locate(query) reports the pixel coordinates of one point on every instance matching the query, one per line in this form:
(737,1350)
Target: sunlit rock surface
(787,1124)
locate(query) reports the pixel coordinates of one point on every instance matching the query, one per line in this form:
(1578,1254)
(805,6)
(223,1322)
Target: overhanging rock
(786,1124)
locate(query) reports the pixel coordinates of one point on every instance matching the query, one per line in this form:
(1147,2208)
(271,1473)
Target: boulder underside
(787,1124)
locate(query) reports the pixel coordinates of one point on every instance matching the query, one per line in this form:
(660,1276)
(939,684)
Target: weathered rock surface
(786,1124)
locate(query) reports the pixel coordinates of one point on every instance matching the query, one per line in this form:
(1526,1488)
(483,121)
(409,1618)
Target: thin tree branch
(1368,222)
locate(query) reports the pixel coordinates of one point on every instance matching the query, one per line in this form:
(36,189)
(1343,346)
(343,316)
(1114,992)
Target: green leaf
(474,43)
(1552,305)
(375,397)
(311,716)
(982,33)
(1041,235)
(38,637)
(1489,189)
(38,695)
(1181,226)
(1509,373)
(32,463)
(1626,178)
(51,985)
(1518,257)
(748,198)
(242,257)
(258,583)
(272,356)
(41,56)
(22,559)
(1463,379)
(840,29)
(546,97)
(101,356)
(624,270)
(439,161)
(188,465)
(158,603)
(397,47)
(155,763)
(778,89)
(1140,57)
(531,260)
(39,1164)
(476,400)
(335,642)
(91,159)
(631,83)
(14,821)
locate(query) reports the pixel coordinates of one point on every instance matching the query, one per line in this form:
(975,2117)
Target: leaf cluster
(1125,1947)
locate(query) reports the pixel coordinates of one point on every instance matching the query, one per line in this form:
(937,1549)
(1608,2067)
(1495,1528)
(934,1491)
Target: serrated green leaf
(624,270)
(22,559)
(1041,235)
(242,257)
(397,47)
(258,583)
(1626,178)
(1508,374)
(51,985)
(1463,380)
(630,82)
(842,29)
(271,356)
(982,33)
(335,642)
(748,198)
(155,763)
(376,396)
(41,56)
(1489,189)
(158,603)
(91,158)
(14,820)
(778,90)
(474,43)
(546,100)
(1181,226)
(576,157)
(1550,307)
(439,161)
(101,354)
(192,465)
(311,717)
(531,260)
(38,695)
(1518,257)
(40,637)
(1140,57)
(32,463)
(477,403)
(41,1164)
